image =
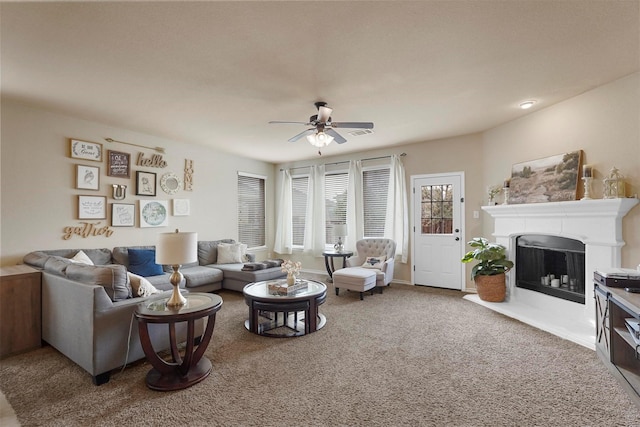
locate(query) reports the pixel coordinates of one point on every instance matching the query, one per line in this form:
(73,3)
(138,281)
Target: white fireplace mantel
(595,222)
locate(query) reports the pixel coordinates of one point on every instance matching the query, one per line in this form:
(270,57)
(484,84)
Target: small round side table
(328,260)
(182,371)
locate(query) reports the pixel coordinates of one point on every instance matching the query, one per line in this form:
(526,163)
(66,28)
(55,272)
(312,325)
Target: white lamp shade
(340,230)
(177,248)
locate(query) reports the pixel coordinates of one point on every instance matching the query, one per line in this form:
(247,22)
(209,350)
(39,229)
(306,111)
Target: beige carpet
(412,356)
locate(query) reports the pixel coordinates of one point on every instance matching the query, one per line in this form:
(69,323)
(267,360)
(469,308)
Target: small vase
(291,279)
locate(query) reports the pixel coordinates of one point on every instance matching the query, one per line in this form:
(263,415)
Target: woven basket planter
(491,288)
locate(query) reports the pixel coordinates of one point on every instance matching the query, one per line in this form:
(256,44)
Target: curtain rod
(346,161)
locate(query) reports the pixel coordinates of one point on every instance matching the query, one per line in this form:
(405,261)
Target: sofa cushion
(37,259)
(200,275)
(57,265)
(208,250)
(143,262)
(112,277)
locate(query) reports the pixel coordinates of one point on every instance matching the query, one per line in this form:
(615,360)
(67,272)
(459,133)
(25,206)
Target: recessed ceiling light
(527,104)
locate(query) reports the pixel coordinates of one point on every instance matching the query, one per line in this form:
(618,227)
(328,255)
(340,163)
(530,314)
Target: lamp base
(338,247)
(176,300)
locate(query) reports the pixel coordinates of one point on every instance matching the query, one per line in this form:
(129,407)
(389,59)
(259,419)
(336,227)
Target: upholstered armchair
(367,250)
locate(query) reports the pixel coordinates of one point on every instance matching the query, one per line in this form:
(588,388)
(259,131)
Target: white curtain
(355,212)
(284,226)
(314,231)
(396,225)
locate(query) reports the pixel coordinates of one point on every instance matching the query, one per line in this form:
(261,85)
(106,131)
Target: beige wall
(39,197)
(604,123)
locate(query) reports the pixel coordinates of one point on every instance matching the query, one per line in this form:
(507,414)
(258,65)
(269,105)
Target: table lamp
(175,249)
(340,231)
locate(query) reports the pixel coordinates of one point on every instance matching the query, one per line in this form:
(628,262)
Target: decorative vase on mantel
(291,279)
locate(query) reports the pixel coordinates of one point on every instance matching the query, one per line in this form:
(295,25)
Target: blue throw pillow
(143,262)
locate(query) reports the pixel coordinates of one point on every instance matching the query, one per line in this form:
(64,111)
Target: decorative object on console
(145,183)
(123,214)
(154,213)
(614,186)
(587,176)
(489,273)
(119,191)
(86,150)
(87,177)
(170,183)
(551,179)
(175,249)
(119,164)
(92,207)
(340,231)
(292,268)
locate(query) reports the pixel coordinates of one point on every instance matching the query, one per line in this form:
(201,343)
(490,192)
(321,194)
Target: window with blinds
(335,192)
(374,194)
(251,210)
(300,189)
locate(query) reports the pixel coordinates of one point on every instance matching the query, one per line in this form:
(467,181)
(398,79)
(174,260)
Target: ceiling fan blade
(289,123)
(301,134)
(336,136)
(324,113)
(352,125)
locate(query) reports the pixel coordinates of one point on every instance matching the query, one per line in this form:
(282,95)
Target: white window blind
(300,189)
(251,210)
(335,202)
(374,195)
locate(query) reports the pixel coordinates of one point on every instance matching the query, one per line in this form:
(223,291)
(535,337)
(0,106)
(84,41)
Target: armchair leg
(102,378)
(337,291)
(361,296)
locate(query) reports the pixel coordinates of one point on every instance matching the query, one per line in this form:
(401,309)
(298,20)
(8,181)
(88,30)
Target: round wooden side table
(181,371)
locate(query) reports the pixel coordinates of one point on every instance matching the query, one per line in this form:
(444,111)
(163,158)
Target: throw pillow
(82,258)
(143,262)
(229,253)
(374,262)
(140,286)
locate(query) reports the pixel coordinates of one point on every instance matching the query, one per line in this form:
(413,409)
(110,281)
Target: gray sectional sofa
(87,310)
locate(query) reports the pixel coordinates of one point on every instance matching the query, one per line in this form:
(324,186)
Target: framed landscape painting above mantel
(550,179)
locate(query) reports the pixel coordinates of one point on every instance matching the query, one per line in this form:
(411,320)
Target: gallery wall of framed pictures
(118,171)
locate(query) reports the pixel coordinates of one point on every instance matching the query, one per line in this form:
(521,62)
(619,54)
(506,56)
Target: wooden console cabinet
(20,309)
(614,343)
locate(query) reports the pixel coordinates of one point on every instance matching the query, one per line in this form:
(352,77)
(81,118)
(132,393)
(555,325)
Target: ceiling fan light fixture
(319,139)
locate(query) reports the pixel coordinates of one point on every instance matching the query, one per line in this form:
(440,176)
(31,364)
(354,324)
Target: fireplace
(594,224)
(551,265)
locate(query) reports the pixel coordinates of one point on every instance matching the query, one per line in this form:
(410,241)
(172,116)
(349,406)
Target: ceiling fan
(322,134)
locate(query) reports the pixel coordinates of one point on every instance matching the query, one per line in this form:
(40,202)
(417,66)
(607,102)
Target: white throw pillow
(374,262)
(140,286)
(82,258)
(229,253)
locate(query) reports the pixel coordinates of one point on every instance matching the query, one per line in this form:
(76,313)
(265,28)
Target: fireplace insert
(551,265)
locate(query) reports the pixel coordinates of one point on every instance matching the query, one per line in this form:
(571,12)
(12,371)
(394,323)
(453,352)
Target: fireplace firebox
(552,265)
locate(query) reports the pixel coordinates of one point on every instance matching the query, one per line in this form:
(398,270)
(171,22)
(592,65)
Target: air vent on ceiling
(360,132)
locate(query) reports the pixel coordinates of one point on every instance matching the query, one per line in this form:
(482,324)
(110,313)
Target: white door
(438,240)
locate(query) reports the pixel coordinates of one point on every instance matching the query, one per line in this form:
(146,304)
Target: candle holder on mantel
(587,176)
(506,196)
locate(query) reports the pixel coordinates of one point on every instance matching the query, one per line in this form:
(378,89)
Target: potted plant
(489,273)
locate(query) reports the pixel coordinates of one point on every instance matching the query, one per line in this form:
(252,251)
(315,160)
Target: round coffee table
(182,371)
(284,315)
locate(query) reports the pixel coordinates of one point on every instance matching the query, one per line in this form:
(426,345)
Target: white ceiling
(215,73)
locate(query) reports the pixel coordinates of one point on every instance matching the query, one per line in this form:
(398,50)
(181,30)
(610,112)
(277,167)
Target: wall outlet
(476,214)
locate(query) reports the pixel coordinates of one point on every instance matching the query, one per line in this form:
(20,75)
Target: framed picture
(86,150)
(551,179)
(92,207)
(119,164)
(145,183)
(123,215)
(154,213)
(181,207)
(87,177)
